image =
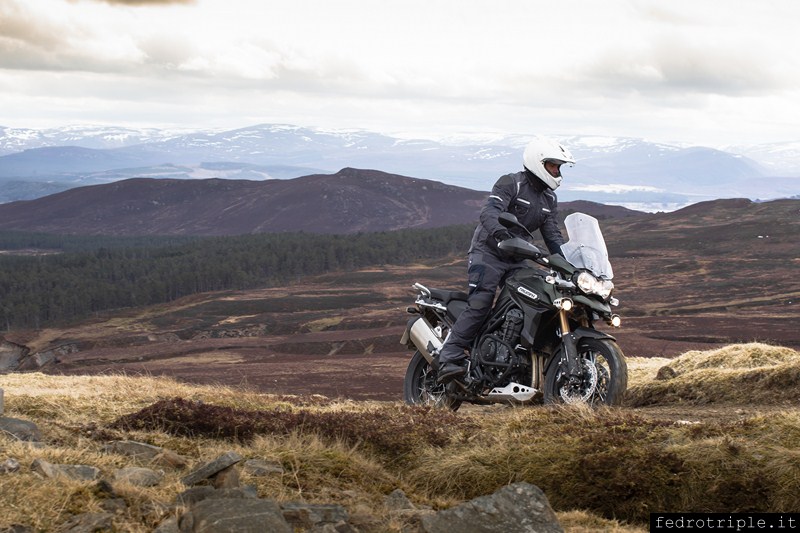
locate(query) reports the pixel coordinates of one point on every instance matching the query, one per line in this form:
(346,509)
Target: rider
(529,196)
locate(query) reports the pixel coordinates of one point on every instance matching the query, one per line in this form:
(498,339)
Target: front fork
(570,343)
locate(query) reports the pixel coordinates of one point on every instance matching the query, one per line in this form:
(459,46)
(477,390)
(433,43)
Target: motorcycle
(538,344)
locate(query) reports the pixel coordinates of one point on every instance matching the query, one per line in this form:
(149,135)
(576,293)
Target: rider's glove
(502,235)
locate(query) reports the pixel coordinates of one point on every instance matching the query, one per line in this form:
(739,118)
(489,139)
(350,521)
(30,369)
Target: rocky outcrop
(15,356)
(520,507)
(11,354)
(216,502)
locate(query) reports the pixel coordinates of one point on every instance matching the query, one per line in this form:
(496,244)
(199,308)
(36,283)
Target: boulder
(139,477)
(307,515)
(398,501)
(193,495)
(20,429)
(138,450)
(88,523)
(211,468)
(520,507)
(11,354)
(261,468)
(76,472)
(234,516)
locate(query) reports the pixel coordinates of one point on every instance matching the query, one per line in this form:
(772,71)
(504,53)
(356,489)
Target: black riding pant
(485,272)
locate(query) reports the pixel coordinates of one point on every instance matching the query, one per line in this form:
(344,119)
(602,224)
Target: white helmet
(540,150)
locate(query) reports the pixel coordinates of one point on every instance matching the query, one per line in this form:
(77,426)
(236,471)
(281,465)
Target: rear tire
(420,387)
(605,376)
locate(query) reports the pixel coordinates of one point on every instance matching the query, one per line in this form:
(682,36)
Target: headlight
(591,285)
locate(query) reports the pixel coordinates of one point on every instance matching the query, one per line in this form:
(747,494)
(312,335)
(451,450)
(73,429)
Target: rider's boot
(452,363)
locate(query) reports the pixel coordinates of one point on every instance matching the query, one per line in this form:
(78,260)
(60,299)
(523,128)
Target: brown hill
(349,201)
(346,202)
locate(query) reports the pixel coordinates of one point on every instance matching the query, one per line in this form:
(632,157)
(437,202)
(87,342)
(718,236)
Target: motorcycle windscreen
(586,247)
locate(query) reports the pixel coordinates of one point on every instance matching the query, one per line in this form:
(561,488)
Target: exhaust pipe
(424,338)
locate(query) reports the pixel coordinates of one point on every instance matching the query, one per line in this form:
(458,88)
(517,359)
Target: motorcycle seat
(446,296)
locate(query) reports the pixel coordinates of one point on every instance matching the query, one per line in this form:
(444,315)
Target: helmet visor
(553,167)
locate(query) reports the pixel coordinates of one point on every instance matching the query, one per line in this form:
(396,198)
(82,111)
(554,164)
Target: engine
(497,354)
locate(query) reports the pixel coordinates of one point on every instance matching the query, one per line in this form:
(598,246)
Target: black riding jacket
(530,200)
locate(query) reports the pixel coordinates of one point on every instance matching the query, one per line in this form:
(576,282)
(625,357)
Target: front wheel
(604,376)
(420,387)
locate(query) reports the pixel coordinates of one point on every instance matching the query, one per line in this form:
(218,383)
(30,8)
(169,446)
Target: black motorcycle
(538,343)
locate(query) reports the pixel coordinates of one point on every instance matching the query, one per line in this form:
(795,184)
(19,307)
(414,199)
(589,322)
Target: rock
(20,429)
(36,361)
(234,516)
(138,450)
(197,494)
(88,523)
(18,528)
(2,406)
(170,525)
(398,501)
(209,469)
(520,507)
(9,465)
(261,468)
(665,372)
(170,459)
(11,354)
(104,489)
(226,479)
(308,515)
(76,472)
(114,505)
(139,477)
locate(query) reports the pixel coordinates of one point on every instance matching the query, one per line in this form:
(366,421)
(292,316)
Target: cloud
(60,40)
(146,2)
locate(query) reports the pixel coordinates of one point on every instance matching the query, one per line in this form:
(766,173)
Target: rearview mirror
(508,220)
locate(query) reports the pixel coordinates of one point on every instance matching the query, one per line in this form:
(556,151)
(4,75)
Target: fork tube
(569,342)
(562,316)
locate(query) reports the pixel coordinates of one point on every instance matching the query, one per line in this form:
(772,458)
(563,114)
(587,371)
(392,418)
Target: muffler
(420,332)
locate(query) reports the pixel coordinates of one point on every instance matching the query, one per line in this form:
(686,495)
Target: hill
(349,201)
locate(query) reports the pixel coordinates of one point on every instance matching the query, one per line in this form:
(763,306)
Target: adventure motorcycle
(539,342)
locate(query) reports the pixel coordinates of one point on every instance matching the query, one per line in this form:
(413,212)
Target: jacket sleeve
(498,201)
(549,229)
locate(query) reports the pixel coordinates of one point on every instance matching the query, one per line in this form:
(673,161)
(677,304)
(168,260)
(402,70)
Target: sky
(709,72)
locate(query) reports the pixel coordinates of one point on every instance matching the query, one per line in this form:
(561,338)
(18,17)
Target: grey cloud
(671,66)
(146,2)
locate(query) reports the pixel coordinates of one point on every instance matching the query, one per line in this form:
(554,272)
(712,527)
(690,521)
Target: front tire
(604,376)
(420,387)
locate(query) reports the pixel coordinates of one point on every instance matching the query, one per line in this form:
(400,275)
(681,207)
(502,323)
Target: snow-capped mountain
(619,170)
(13,140)
(780,159)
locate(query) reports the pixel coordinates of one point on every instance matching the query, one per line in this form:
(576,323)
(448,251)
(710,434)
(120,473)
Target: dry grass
(752,373)
(604,469)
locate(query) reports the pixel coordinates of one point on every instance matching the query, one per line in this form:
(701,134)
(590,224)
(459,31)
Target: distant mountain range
(349,201)
(622,171)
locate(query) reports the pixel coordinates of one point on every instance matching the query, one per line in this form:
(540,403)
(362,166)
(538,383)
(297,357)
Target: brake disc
(585,389)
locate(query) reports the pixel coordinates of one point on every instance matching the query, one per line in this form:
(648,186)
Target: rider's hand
(502,235)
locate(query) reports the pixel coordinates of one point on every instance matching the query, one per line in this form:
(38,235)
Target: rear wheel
(420,387)
(604,376)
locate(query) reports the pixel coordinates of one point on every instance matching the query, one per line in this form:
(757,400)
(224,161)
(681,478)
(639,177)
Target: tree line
(93,274)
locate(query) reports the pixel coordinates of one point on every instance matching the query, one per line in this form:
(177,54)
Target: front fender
(582,333)
(576,336)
